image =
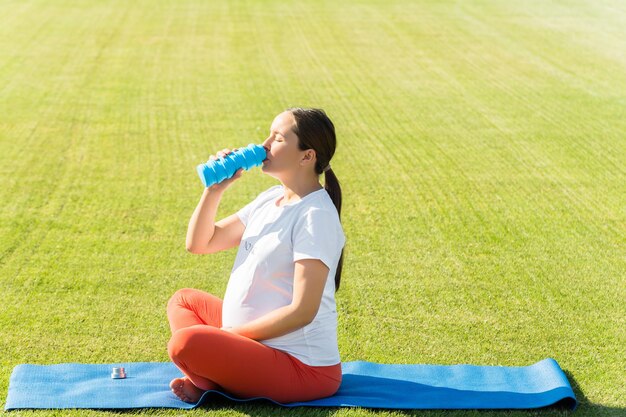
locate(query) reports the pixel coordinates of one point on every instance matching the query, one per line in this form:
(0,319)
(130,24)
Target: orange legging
(215,359)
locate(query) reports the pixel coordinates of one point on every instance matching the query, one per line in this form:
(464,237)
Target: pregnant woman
(274,334)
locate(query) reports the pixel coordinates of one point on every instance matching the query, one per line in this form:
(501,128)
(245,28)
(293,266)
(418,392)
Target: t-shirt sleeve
(244,212)
(318,235)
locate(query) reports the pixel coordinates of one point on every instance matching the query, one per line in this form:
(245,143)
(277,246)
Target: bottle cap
(118,373)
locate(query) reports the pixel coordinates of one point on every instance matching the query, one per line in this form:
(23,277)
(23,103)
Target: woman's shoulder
(320,209)
(322,201)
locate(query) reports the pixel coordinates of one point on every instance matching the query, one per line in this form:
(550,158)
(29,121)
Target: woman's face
(283,154)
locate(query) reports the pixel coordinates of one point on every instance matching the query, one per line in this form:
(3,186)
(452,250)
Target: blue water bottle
(217,170)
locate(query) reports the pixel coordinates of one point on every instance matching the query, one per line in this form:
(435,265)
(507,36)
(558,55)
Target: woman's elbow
(199,250)
(195,250)
(308,320)
(306,316)
(190,247)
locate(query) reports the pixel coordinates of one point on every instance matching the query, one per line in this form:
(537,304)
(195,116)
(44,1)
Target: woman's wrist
(215,188)
(230,330)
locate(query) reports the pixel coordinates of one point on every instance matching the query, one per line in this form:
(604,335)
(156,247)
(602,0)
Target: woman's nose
(267,143)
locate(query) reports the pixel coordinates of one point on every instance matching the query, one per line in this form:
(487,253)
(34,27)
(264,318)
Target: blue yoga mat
(365,384)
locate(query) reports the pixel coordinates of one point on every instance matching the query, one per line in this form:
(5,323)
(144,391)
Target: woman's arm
(308,286)
(203,234)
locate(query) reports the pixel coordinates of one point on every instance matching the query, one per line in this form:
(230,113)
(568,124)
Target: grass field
(482,155)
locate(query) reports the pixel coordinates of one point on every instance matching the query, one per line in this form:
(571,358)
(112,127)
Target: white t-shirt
(262,278)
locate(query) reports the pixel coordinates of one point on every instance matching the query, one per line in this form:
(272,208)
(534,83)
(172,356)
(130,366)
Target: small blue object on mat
(365,384)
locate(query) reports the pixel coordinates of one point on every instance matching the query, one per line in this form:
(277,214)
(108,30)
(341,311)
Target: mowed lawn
(481,151)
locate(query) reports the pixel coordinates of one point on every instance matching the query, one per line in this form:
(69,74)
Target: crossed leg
(212,358)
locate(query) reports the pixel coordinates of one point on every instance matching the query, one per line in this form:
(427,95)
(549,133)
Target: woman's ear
(309,157)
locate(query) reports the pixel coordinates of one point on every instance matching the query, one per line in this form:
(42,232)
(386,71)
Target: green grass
(482,154)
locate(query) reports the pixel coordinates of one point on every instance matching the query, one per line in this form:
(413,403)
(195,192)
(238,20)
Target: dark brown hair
(315,131)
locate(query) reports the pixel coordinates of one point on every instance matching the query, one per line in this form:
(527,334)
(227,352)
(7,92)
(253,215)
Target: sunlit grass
(481,154)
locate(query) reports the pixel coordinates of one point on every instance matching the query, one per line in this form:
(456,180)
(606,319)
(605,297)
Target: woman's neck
(294,191)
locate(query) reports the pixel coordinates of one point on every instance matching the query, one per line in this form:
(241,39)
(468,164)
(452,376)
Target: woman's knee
(186,298)
(191,342)
(179,296)
(189,297)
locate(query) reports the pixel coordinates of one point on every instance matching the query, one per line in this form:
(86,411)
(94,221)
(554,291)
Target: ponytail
(331,185)
(316,131)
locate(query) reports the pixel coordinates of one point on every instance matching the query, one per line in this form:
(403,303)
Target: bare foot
(186,390)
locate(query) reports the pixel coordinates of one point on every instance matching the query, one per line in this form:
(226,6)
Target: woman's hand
(222,186)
